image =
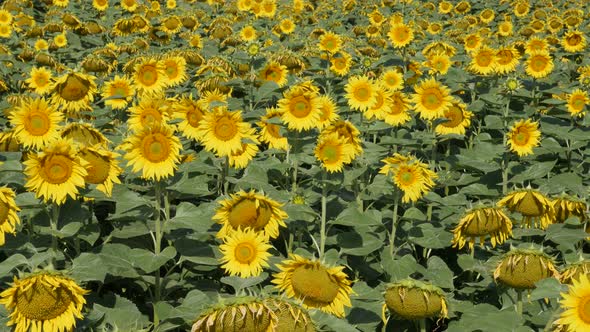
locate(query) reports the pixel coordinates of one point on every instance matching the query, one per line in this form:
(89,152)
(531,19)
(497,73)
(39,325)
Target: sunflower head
(400,35)
(74,91)
(36,123)
(360,93)
(317,285)
(523,136)
(413,299)
(565,207)
(458,119)
(522,268)
(84,134)
(431,99)
(532,204)
(330,42)
(102,167)
(576,305)
(575,271)
(539,64)
(44,301)
(300,107)
(245,253)
(333,152)
(481,223)
(8,213)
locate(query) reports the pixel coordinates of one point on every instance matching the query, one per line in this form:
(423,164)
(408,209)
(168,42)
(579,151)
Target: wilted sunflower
(222,131)
(154,151)
(44,302)
(392,79)
(245,253)
(412,299)
(150,111)
(8,141)
(575,271)
(35,123)
(330,42)
(565,207)
(458,119)
(483,61)
(576,102)
(191,113)
(333,152)
(171,24)
(244,155)
(270,132)
(532,204)
(506,59)
(118,92)
(431,99)
(300,108)
(250,210)
(40,80)
(360,93)
(480,223)
(8,213)
(84,134)
(399,108)
(576,315)
(73,92)
(539,64)
(274,71)
(410,175)
(316,285)
(523,137)
(522,268)
(102,167)
(573,41)
(400,35)
(56,172)
(149,76)
(340,63)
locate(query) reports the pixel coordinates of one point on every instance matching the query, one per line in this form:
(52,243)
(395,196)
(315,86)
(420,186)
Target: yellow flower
(300,108)
(330,42)
(5,17)
(56,172)
(222,131)
(360,93)
(149,76)
(313,283)
(576,102)
(506,59)
(44,302)
(245,253)
(523,136)
(393,79)
(565,207)
(41,45)
(340,64)
(521,8)
(100,5)
(118,92)
(536,44)
(535,208)
(73,92)
(576,302)
(5,31)
(333,152)
(36,123)
(345,129)
(40,80)
(458,119)
(8,213)
(248,33)
(400,35)
(84,134)
(431,99)
(102,167)
(191,113)
(287,26)
(154,151)
(329,111)
(539,64)
(382,103)
(274,71)
(270,132)
(575,271)
(410,175)
(445,7)
(129,5)
(174,69)
(60,40)
(483,61)
(243,156)
(505,28)
(438,63)
(472,42)
(480,223)
(251,210)
(149,112)
(398,113)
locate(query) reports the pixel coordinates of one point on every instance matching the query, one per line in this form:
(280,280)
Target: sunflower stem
(519,302)
(422,323)
(393,223)
(157,248)
(505,154)
(323,218)
(54,220)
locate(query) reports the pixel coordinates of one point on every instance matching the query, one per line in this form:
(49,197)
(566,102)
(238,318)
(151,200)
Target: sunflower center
(119,91)
(471,42)
(330,153)
(584,309)
(194,116)
(521,138)
(273,130)
(432,98)
(454,116)
(484,59)
(314,284)
(574,40)
(538,63)
(245,253)
(57,169)
(362,93)
(300,107)
(37,123)
(504,57)
(340,63)
(250,213)
(172,23)
(98,169)
(4,209)
(578,104)
(41,80)
(530,206)
(150,116)
(148,75)
(155,147)
(380,101)
(172,71)
(401,34)
(74,89)
(42,303)
(225,128)
(406,177)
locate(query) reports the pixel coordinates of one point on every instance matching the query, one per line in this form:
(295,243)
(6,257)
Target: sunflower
(275,72)
(330,42)
(73,92)
(333,152)
(250,210)
(35,122)
(472,42)
(154,151)
(458,119)
(535,208)
(5,31)
(445,7)
(149,76)
(171,24)
(129,5)
(480,223)
(487,15)
(536,44)
(576,103)
(522,268)
(382,104)
(174,69)
(270,132)
(462,7)
(506,59)
(60,40)
(313,283)
(412,299)
(287,26)
(244,155)
(483,61)
(398,113)
(400,35)
(300,108)
(345,129)
(539,64)
(8,142)
(149,112)
(44,302)
(410,175)
(439,47)
(438,63)
(248,33)
(40,80)
(41,45)
(84,134)
(213,98)
(8,213)
(565,207)
(340,64)
(191,113)
(576,302)
(392,79)
(505,28)
(56,172)
(118,92)
(360,93)
(100,5)
(245,253)
(5,17)
(102,167)
(523,136)
(222,131)
(575,271)
(521,8)
(329,111)
(431,99)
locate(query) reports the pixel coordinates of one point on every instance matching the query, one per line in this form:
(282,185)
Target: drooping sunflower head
(412,299)
(84,134)
(522,268)
(360,93)
(36,123)
(565,207)
(400,35)
(532,204)
(73,91)
(458,119)
(576,305)
(577,102)
(8,213)
(102,167)
(44,301)
(316,285)
(250,210)
(171,24)
(274,71)
(575,271)
(431,99)
(244,253)
(480,223)
(9,142)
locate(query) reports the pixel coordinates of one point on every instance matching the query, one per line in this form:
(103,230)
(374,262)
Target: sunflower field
(294,165)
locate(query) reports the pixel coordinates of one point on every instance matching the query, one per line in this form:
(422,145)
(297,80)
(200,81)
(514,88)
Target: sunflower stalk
(519,302)
(323,217)
(54,220)
(505,155)
(157,247)
(422,323)
(393,223)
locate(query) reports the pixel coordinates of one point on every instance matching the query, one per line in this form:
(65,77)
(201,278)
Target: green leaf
(12,263)
(428,236)
(401,268)
(537,170)
(358,244)
(123,314)
(549,288)
(239,284)
(117,260)
(565,234)
(195,186)
(85,267)
(189,216)
(485,318)
(150,262)
(351,216)
(439,273)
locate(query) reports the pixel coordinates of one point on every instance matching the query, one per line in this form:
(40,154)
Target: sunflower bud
(412,299)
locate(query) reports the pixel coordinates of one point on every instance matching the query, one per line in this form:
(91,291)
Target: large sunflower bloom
(191,113)
(44,302)
(345,129)
(154,151)
(8,213)
(36,123)
(400,35)
(118,92)
(250,210)
(360,93)
(576,303)
(535,208)
(576,102)
(458,119)
(316,285)
(300,108)
(73,92)
(523,136)
(222,131)
(506,59)
(55,173)
(330,42)
(539,64)
(275,72)
(431,99)
(483,61)
(40,80)
(333,152)
(174,69)
(149,76)
(245,253)
(410,175)
(270,132)
(573,41)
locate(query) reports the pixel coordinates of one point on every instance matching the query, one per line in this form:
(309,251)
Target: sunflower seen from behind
(44,301)
(532,204)
(523,136)
(315,284)
(36,123)
(244,253)
(479,223)
(8,213)
(84,134)
(222,131)
(102,168)
(73,92)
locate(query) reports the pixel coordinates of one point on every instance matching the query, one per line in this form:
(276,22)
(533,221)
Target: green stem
(53,221)
(393,224)
(422,323)
(323,218)
(157,248)
(519,302)
(294,183)
(505,155)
